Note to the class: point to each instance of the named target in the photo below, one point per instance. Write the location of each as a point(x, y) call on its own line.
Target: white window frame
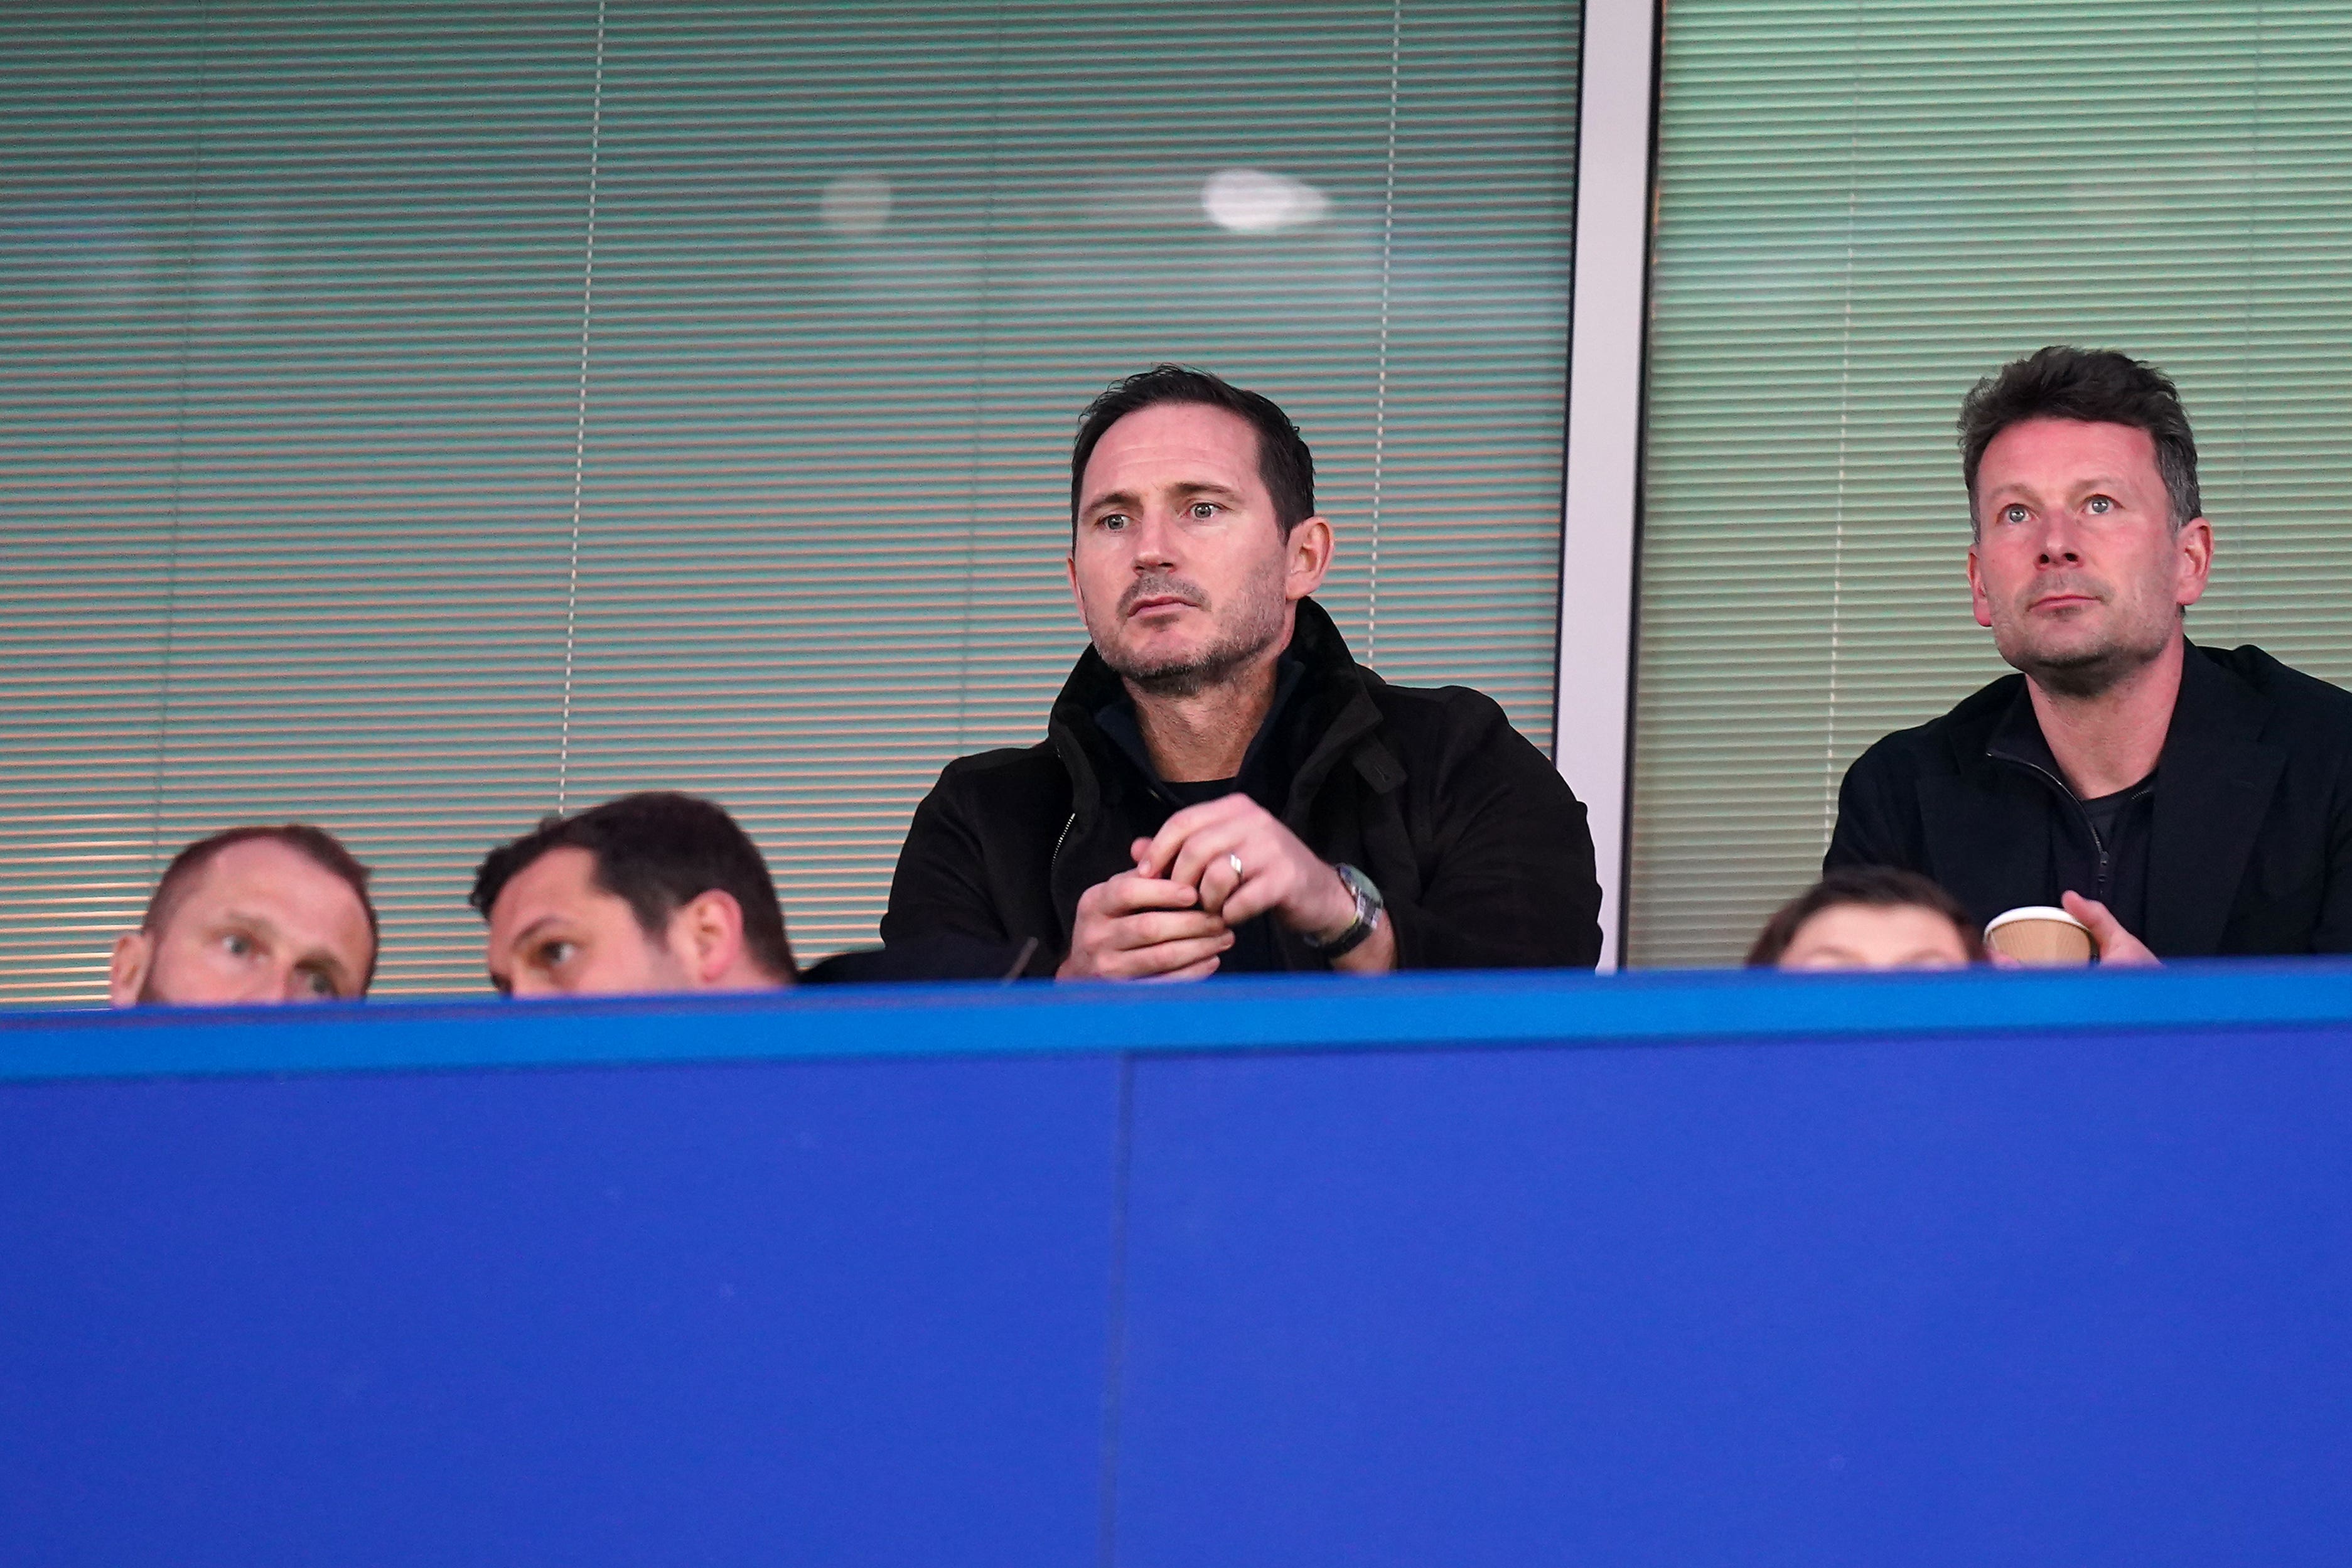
point(1600, 521)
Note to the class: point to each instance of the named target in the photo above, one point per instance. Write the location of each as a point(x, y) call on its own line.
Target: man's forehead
point(560, 883)
point(1175, 444)
point(267, 869)
point(2036, 445)
point(564, 875)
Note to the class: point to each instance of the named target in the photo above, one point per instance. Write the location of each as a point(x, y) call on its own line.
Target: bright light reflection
point(1251, 201)
point(857, 205)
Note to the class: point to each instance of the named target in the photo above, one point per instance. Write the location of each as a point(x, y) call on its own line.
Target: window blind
point(419, 417)
point(1862, 208)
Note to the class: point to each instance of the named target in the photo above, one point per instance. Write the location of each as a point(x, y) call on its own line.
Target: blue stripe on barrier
point(1284, 1013)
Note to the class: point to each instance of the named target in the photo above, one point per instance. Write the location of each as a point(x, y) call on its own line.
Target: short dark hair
point(657, 851)
point(2098, 385)
point(1875, 887)
point(315, 844)
point(1284, 463)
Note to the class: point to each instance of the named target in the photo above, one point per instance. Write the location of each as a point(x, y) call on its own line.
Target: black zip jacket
point(1472, 837)
point(2249, 845)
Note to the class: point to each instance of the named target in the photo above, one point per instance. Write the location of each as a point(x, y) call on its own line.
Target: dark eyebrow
point(2104, 484)
point(532, 929)
point(317, 961)
point(1126, 500)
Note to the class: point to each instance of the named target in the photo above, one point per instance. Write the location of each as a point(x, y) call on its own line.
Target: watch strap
point(1368, 915)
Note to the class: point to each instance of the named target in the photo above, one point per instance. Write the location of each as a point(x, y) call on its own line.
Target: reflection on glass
point(855, 206)
point(1251, 201)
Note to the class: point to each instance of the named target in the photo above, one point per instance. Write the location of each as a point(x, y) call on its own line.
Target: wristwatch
point(1369, 905)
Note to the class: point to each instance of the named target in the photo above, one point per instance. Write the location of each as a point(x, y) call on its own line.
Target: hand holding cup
point(2042, 936)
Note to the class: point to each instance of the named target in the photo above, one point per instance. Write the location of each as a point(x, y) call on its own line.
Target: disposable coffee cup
point(2041, 937)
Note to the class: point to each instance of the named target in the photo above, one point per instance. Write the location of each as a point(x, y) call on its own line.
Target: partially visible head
point(1871, 917)
point(254, 914)
point(2088, 541)
point(653, 892)
point(1193, 528)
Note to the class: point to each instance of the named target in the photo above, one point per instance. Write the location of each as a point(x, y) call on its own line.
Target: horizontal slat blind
point(418, 418)
point(1862, 208)
point(94, 270)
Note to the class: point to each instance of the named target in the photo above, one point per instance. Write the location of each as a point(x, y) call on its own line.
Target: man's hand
point(1279, 875)
point(2116, 944)
point(1138, 927)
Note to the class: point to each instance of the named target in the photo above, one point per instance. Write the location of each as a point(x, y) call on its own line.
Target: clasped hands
point(1173, 916)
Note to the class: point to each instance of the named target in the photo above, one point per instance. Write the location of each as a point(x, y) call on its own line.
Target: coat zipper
point(2081, 810)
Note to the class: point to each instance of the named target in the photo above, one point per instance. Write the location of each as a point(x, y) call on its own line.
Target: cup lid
point(2032, 913)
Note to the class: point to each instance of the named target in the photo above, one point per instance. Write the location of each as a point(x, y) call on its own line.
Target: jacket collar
point(2214, 787)
point(2215, 778)
point(1989, 823)
point(1337, 708)
point(1116, 719)
point(2018, 738)
point(1332, 708)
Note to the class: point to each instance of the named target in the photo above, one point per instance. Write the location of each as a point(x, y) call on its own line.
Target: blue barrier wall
point(1687, 1269)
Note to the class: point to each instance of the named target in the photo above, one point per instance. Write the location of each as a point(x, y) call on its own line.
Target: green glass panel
point(1861, 209)
point(548, 401)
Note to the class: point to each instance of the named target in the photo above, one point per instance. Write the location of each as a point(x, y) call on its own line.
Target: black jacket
point(1471, 835)
point(2251, 846)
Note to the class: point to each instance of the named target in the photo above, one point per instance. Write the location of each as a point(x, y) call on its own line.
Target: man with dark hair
point(653, 892)
point(1285, 466)
point(2180, 800)
point(258, 914)
point(1222, 788)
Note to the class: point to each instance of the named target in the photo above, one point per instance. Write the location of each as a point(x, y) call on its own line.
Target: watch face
point(1368, 914)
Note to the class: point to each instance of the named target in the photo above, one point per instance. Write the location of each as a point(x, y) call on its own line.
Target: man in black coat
point(2180, 800)
point(1222, 788)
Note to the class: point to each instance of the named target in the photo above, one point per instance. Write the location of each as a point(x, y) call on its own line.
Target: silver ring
point(1235, 862)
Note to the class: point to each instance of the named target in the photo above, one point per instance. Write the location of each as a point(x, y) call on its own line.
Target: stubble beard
point(1238, 645)
point(2089, 672)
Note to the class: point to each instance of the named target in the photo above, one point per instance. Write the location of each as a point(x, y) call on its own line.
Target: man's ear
point(1977, 595)
point(1306, 556)
point(126, 972)
point(706, 935)
point(2196, 561)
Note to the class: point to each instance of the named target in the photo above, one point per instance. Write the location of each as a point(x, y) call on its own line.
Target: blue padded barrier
point(801, 1311)
point(1474, 1269)
point(1306, 1013)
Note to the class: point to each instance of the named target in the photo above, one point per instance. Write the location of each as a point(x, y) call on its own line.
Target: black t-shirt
point(2121, 825)
point(2106, 812)
point(1201, 792)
